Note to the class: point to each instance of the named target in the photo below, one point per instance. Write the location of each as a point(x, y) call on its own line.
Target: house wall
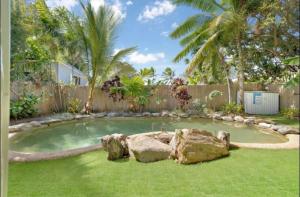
point(55, 97)
point(65, 74)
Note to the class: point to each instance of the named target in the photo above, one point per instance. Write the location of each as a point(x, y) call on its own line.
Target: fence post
point(4, 91)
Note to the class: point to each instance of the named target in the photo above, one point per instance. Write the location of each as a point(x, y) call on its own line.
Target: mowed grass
point(247, 172)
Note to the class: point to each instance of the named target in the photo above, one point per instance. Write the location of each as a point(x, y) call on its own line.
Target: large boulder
point(146, 149)
point(115, 145)
point(225, 137)
point(193, 146)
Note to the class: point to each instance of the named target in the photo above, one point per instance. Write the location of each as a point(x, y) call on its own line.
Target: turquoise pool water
point(76, 134)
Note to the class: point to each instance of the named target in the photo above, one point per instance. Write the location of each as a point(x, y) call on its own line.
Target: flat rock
point(227, 118)
point(114, 114)
point(164, 113)
point(125, 114)
point(183, 115)
point(146, 114)
point(216, 116)
point(264, 125)
point(100, 115)
point(35, 123)
point(239, 118)
point(155, 114)
point(193, 146)
point(276, 127)
point(249, 121)
point(81, 116)
point(284, 130)
point(146, 149)
point(173, 115)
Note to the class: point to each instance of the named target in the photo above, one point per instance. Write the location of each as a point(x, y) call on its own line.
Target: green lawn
point(280, 119)
point(247, 172)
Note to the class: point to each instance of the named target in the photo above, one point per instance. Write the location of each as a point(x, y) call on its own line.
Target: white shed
point(260, 102)
point(68, 74)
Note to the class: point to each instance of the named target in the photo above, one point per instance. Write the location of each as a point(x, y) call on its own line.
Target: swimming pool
point(83, 133)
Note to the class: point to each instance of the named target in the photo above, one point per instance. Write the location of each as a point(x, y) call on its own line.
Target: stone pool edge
point(29, 157)
point(292, 143)
point(292, 134)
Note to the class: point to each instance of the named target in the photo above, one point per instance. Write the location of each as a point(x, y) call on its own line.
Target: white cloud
point(164, 33)
point(140, 58)
point(97, 3)
point(160, 8)
point(62, 3)
point(116, 51)
point(174, 25)
point(117, 7)
point(129, 3)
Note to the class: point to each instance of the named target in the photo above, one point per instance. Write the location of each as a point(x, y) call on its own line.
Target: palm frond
point(120, 54)
point(205, 5)
point(190, 24)
point(199, 56)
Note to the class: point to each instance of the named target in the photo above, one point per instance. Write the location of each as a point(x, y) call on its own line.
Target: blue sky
point(145, 24)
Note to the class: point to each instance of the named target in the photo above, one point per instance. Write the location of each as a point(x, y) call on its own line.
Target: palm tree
point(224, 26)
point(168, 75)
point(98, 33)
point(148, 75)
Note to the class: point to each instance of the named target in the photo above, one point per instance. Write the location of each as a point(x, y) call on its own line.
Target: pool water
point(77, 134)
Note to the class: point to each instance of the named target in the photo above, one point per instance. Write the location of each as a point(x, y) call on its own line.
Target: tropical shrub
point(74, 105)
point(136, 92)
point(233, 108)
point(132, 89)
point(180, 92)
point(24, 107)
point(114, 89)
point(291, 112)
point(213, 95)
point(199, 106)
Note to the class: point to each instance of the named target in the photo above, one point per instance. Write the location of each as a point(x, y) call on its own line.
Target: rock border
point(290, 133)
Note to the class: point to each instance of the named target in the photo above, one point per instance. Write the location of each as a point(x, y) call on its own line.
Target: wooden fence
point(54, 98)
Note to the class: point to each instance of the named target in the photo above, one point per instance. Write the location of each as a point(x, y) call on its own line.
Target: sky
point(146, 25)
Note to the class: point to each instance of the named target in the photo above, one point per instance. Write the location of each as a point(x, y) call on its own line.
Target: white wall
point(65, 74)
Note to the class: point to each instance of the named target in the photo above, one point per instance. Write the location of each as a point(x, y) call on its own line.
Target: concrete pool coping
point(292, 143)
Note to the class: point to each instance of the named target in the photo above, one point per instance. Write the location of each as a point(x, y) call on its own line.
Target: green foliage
point(199, 106)
point(291, 113)
point(24, 107)
point(148, 75)
point(136, 92)
point(214, 94)
point(167, 76)
point(233, 108)
point(74, 105)
point(294, 82)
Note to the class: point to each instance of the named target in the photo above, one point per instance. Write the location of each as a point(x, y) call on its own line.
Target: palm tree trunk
point(229, 89)
point(240, 71)
point(89, 104)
